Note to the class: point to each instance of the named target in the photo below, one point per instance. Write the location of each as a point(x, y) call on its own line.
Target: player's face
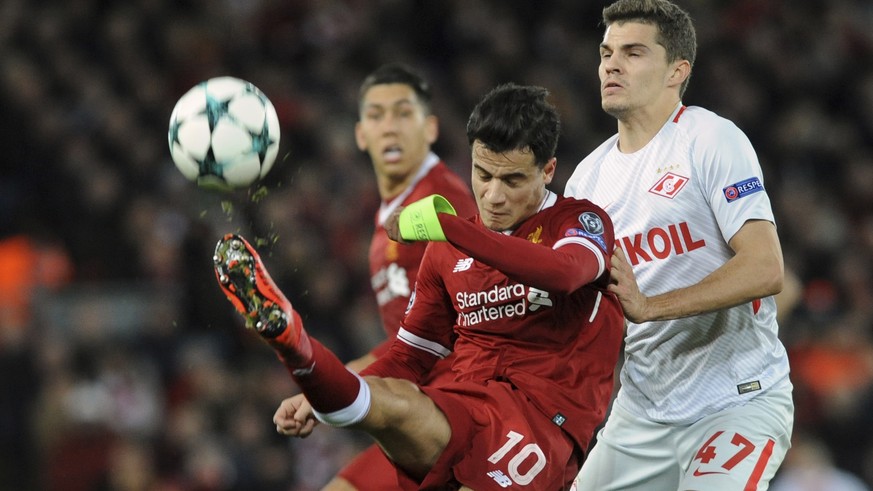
point(509, 187)
point(395, 130)
point(634, 73)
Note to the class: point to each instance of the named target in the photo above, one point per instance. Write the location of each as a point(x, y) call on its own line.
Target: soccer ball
point(224, 134)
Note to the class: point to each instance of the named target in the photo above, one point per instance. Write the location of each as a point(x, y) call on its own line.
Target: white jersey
point(675, 205)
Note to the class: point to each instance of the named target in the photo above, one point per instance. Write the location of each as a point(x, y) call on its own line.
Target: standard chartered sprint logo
point(499, 302)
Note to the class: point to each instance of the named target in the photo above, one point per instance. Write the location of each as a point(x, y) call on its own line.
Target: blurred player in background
point(397, 128)
point(518, 293)
point(705, 399)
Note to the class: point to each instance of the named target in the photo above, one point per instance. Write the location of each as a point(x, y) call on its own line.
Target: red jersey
point(559, 348)
point(394, 266)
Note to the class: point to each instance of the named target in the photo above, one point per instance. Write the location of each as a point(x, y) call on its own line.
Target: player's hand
point(294, 417)
point(392, 226)
point(624, 284)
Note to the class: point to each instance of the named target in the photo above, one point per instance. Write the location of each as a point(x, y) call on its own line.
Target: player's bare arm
point(756, 271)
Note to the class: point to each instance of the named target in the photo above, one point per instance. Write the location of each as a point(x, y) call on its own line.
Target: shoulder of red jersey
point(569, 204)
point(587, 220)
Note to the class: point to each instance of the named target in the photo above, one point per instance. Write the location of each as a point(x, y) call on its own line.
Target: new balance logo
point(500, 478)
point(463, 265)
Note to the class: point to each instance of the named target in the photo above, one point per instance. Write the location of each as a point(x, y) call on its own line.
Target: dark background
point(123, 367)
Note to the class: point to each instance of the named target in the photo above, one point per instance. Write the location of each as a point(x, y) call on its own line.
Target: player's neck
point(390, 187)
point(637, 128)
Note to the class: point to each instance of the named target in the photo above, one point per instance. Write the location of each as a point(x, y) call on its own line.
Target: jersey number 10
point(522, 455)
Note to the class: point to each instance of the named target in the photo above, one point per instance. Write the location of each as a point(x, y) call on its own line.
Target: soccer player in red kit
point(518, 293)
point(396, 128)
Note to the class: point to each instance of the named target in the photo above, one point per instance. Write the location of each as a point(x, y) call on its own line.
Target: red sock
point(328, 385)
point(293, 345)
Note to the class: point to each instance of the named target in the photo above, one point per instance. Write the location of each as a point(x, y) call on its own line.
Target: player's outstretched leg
point(244, 280)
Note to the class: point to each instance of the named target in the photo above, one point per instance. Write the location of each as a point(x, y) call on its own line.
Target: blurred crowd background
point(123, 367)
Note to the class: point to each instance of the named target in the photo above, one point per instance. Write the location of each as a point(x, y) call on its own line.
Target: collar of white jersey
point(385, 209)
point(677, 113)
point(549, 200)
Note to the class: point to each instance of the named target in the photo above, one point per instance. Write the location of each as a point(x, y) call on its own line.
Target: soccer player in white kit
point(705, 399)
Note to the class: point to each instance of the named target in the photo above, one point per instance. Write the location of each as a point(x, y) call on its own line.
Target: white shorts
point(737, 449)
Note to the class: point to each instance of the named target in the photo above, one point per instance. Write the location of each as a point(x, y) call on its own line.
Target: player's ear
point(549, 170)
point(359, 137)
point(680, 72)
point(431, 128)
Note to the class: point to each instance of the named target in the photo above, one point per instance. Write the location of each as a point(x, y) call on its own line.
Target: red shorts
point(371, 471)
point(499, 442)
point(441, 373)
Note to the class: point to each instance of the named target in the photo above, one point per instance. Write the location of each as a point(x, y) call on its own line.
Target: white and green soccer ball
point(224, 134)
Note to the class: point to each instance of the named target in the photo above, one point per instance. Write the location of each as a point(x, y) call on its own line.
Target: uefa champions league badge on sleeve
point(591, 223)
point(742, 189)
point(592, 228)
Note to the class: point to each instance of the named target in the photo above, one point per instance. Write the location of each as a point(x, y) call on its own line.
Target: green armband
point(418, 221)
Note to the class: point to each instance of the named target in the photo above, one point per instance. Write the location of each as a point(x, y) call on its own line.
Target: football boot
point(247, 284)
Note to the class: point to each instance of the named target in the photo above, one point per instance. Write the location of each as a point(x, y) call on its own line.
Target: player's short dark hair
point(516, 117)
point(675, 28)
point(398, 73)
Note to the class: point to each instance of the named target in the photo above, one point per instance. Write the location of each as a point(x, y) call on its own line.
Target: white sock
point(351, 414)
